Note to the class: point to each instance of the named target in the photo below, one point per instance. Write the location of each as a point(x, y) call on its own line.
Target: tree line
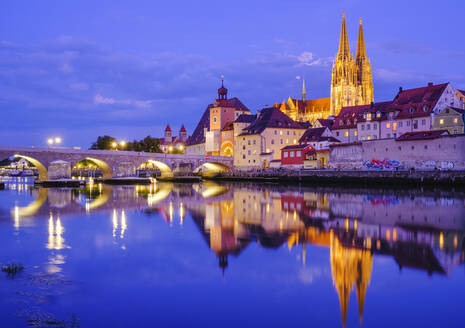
point(148, 144)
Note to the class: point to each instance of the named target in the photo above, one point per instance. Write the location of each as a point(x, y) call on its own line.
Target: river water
point(231, 255)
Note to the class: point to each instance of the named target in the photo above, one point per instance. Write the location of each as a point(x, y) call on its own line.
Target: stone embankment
point(351, 177)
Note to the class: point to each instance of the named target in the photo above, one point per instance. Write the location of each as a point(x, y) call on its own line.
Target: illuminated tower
point(351, 80)
point(364, 78)
point(304, 92)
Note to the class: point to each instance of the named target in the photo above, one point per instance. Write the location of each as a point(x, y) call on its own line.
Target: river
point(231, 255)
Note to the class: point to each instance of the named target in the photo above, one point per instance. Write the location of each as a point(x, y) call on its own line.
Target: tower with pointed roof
point(351, 80)
point(363, 67)
point(168, 134)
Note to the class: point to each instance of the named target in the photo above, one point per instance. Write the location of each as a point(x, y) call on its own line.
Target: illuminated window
point(456, 120)
point(346, 133)
point(388, 125)
point(295, 141)
point(369, 116)
point(355, 133)
point(441, 121)
point(369, 138)
point(281, 132)
point(394, 126)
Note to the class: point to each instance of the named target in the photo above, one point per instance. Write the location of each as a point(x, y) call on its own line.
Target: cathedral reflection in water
point(424, 232)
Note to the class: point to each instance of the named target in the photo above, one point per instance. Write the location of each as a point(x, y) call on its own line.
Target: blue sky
point(79, 69)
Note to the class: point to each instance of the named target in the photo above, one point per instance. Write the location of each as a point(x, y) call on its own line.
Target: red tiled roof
point(461, 91)
point(296, 147)
point(349, 116)
point(271, 118)
point(422, 135)
point(246, 118)
point(325, 122)
point(167, 128)
point(417, 102)
point(183, 129)
point(312, 134)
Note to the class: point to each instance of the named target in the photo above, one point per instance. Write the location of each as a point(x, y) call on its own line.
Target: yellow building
point(351, 80)
point(450, 119)
point(262, 140)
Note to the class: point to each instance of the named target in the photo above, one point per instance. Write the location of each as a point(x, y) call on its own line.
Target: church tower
point(343, 78)
point(351, 81)
point(364, 77)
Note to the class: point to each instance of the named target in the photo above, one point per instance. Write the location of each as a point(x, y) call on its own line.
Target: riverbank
point(350, 177)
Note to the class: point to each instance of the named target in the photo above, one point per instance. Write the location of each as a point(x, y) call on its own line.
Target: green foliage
point(104, 142)
point(12, 269)
point(148, 144)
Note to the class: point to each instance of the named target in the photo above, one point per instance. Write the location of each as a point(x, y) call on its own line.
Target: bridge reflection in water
point(419, 231)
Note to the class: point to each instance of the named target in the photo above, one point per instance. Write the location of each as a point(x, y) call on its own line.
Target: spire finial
point(304, 91)
point(344, 51)
point(343, 14)
point(222, 80)
point(361, 50)
point(360, 20)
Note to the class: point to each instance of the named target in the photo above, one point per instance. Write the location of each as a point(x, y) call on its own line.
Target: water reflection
point(422, 231)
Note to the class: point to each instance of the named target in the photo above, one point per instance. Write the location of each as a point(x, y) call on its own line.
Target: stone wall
point(446, 152)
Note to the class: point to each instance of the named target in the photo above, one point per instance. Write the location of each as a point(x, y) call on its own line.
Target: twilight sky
point(79, 69)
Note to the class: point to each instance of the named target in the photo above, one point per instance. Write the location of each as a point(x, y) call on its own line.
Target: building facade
point(351, 80)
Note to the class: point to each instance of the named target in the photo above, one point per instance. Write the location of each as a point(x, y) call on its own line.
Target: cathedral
point(351, 84)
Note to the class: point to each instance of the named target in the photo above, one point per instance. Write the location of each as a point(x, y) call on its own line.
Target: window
point(298, 154)
point(346, 134)
point(294, 132)
point(400, 124)
point(248, 142)
point(287, 132)
point(400, 148)
point(243, 147)
point(408, 123)
point(415, 124)
point(255, 142)
point(295, 141)
point(375, 137)
point(426, 147)
point(425, 108)
point(455, 131)
point(292, 154)
point(281, 132)
point(243, 156)
point(355, 133)
point(287, 141)
point(423, 122)
point(286, 154)
point(248, 152)
point(363, 127)
point(368, 126)
point(375, 126)
point(281, 141)
point(214, 119)
point(369, 116)
point(456, 120)
point(368, 138)
point(337, 133)
point(394, 126)
point(378, 114)
point(411, 109)
point(272, 141)
point(340, 123)
point(441, 121)
point(388, 135)
point(388, 125)
point(275, 132)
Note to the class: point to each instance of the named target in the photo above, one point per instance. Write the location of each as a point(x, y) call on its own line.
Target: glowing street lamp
point(123, 143)
point(50, 141)
point(114, 144)
point(170, 149)
point(57, 140)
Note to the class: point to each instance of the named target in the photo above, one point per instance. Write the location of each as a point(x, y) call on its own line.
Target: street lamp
point(57, 140)
point(50, 141)
point(123, 143)
point(114, 144)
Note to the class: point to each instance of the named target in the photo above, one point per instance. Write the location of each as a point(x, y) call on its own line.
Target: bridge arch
point(165, 170)
point(43, 172)
point(107, 171)
point(211, 169)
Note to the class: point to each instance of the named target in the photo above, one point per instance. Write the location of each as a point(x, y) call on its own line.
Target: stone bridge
point(111, 162)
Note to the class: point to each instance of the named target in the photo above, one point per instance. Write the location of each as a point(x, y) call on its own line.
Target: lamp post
point(123, 143)
point(114, 145)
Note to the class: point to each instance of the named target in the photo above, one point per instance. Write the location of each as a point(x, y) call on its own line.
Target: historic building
point(170, 143)
point(261, 141)
point(351, 84)
point(207, 138)
point(461, 97)
point(351, 80)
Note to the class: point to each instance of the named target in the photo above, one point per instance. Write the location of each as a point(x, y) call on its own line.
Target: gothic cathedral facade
point(351, 80)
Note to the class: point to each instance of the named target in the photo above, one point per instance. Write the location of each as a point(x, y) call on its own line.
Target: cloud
point(307, 58)
point(98, 100)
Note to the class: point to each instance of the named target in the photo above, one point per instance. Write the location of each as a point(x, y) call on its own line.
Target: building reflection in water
point(417, 230)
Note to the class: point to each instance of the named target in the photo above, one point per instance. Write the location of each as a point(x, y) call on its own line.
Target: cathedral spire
point(304, 92)
point(361, 51)
point(344, 51)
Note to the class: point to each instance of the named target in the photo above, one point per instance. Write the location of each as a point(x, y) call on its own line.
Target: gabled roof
point(237, 104)
point(246, 118)
point(183, 129)
point(271, 118)
point(198, 135)
point(461, 91)
point(349, 116)
point(313, 134)
point(296, 147)
point(325, 122)
point(417, 102)
point(422, 135)
point(167, 128)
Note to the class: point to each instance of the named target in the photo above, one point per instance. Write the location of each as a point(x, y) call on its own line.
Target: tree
point(104, 142)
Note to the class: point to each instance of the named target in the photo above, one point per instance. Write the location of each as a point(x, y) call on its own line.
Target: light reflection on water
point(333, 235)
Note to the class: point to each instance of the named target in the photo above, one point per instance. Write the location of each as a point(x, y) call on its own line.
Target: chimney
point(400, 90)
point(430, 84)
point(372, 104)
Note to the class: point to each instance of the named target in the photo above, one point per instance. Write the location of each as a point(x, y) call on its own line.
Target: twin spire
point(344, 50)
